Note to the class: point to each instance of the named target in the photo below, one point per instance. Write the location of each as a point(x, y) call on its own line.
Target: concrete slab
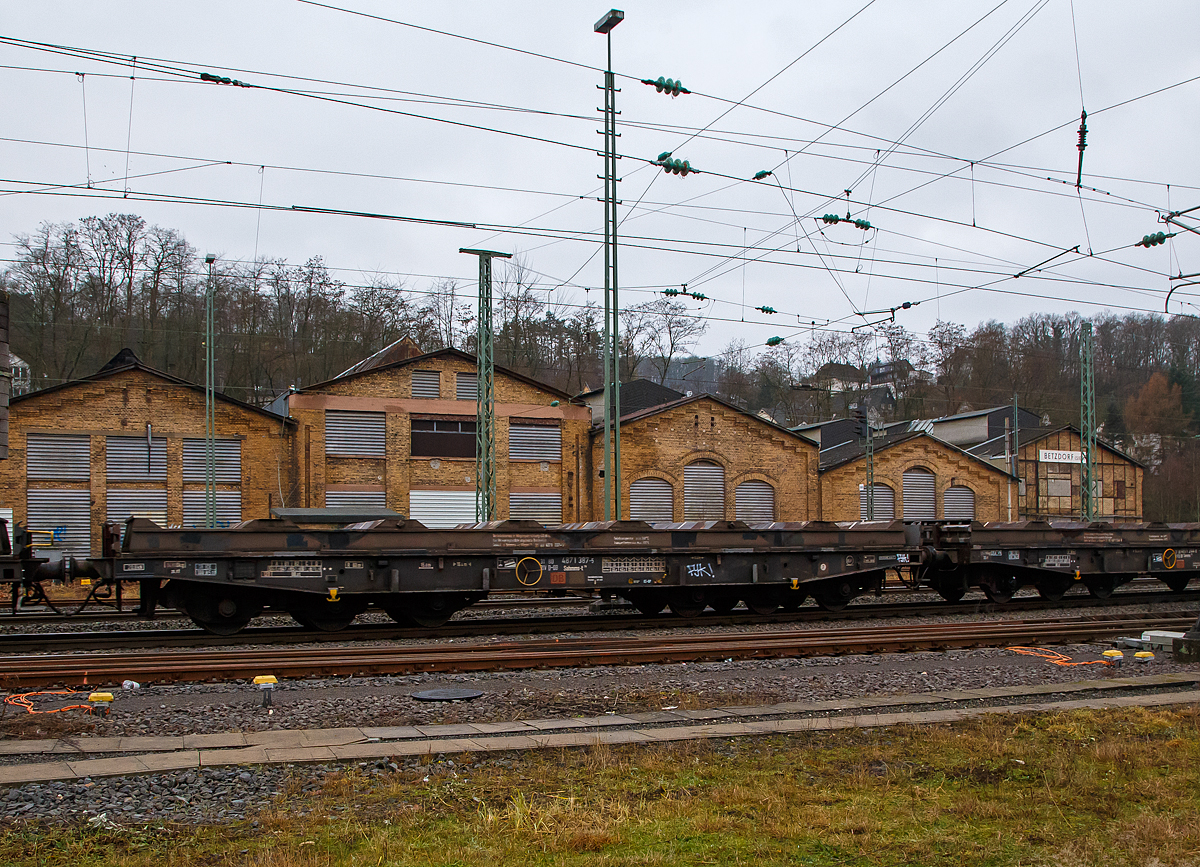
point(116, 767)
point(451, 745)
point(278, 739)
point(41, 772)
point(569, 723)
point(297, 755)
point(709, 713)
point(608, 719)
point(655, 716)
point(376, 750)
point(243, 756)
point(447, 731)
point(391, 733)
point(758, 710)
point(214, 741)
point(84, 746)
point(26, 748)
point(619, 737)
point(498, 728)
point(513, 742)
point(148, 745)
point(176, 761)
point(333, 737)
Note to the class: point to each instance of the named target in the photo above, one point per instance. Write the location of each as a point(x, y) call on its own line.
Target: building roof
point(428, 356)
point(684, 401)
point(126, 360)
point(845, 453)
point(639, 394)
point(1027, 436)
point(978, 412)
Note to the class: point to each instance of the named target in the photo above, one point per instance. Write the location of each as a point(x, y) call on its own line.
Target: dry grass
point(1113, 788)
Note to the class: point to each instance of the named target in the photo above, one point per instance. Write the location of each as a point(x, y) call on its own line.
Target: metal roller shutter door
point(652, 500)
point(356, 434)
point(534, 442)
point(356, 499)
point(703, 492)
point(126, 458)
point(58, 456)
point(754, 502)
point(228, 454)
point(466, 386)
point(228, 503)
point(959, 504)
point(885, 503)
point(123, 503)
point(426, 384)
point(545, 508)
point(439, 509)
point(66, 514)
point(920, 496)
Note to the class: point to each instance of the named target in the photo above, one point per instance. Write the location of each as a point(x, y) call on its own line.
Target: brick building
point(129, 440)
point(401, 435)
point(917, 477)
point(700, 458)
point(1050, 470)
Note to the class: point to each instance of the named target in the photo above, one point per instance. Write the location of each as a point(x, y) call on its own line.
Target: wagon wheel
point(950, 589)
point(326, 616)
point(220, 612)
point(1053, 589)
point(687, 601)
point(431, 610)
point(723, 602)
point(1177, 581)
point(762, 601)
point(648, 603)
point(1101, 586)
point(836, 594)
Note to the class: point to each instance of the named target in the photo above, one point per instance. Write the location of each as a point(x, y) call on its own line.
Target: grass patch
point(1079, 788)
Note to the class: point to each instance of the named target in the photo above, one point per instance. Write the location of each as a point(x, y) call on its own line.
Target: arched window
point(885, 502)
point(652, 500)
point(959, 504)
point(703, 491)
point(754, 502)
point(920, 495)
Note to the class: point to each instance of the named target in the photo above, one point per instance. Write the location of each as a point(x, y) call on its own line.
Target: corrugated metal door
point(426, 384)
point(228, 454)
point(534, 442)
point(543, 507)
point(58, 456)
point(228, 503)
point(885, 502)
point(356, 434)
point(356, 499)
point(439, 509)
point(920, 496)
point(754, 501)
point(133, 459)
point(959, 503)
point(466, 386)
point(123, 503)
point(65, 513)
point(703, 492)
point(652, 500)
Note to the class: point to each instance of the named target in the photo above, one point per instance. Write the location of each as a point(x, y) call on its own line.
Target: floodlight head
point(610, 20)
point(210, 258)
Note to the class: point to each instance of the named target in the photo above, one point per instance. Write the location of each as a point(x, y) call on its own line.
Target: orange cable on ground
point(1054, 656)
point(24, 700)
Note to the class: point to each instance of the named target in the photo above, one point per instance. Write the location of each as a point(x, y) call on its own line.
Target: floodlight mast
point(612, 340)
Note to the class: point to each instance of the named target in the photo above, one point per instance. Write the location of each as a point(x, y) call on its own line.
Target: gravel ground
point(237, 795)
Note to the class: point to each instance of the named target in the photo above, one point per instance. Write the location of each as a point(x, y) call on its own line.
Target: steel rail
point(96, 668)
point(21, 642)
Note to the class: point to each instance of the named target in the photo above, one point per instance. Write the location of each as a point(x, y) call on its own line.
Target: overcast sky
point(980, 188)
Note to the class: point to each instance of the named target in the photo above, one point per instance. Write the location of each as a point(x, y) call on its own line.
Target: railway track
point(471, 627)
point(229, 664)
